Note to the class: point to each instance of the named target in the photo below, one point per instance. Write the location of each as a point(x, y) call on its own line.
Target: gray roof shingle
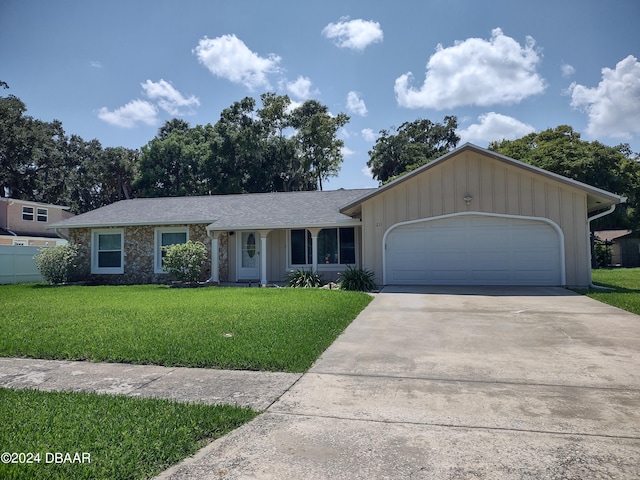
point(226, 212)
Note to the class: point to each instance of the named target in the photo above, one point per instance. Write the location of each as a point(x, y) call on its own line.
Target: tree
point(172, 163)
point(39, 162)
point(236, 164)
point(318, 147)
point(562, 151)
point(413, 144)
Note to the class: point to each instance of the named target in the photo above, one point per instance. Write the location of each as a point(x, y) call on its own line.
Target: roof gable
point(597, 199)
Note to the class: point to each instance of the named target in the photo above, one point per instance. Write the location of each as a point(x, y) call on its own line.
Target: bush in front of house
point(357, 279)
point(58, 264)
point(304, 279)
point(184, 261)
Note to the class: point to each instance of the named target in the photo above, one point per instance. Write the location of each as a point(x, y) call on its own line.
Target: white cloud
point(613, 107)
point(367, 172)
point(96, 64)
point(168, 98)
point(494, 126)
point(369, 135)
point(347, 152)
point(567, 70)
point(475, 72)
point(127, 116)
point(301, 88)
point(228, 57)
point(355, 34)
point(355, 104)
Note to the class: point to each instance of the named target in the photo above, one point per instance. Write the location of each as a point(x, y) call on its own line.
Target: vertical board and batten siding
point(496, 187)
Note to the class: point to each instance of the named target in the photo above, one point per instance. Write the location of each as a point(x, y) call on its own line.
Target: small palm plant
point(304, 279)
point(358, 279)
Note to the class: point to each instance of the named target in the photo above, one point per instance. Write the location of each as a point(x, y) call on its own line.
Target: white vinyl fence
point(17, 264)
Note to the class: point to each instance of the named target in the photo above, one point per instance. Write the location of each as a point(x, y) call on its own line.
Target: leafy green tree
point(562, 151)
point(237, 163)
point(412, 144)
point(172, 163)
point(319, 149)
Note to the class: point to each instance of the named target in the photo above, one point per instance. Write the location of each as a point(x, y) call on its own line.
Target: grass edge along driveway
point(132, 438)
point(623, 288)
point(229, 328)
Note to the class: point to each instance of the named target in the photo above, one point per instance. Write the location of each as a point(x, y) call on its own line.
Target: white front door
point(248, 256)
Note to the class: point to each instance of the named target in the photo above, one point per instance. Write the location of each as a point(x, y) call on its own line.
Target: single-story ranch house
point(470, 217)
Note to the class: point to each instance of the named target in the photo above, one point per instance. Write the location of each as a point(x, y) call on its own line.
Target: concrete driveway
point(451, 383)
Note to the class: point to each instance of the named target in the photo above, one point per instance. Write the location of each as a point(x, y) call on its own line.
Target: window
point(107, 247)
point(166, 237)
point(300, 247)
point(43, 214)
point(27, 214)
point(335, 246)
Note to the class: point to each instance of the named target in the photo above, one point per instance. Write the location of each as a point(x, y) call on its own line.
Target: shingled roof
point(226, 212)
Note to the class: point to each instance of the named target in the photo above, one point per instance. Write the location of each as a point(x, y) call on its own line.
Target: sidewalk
point(257, 390)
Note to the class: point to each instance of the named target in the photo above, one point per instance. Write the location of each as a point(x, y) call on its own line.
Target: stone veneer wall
point(138, 255)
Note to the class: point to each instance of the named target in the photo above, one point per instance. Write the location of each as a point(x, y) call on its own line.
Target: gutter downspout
point(57, 230)
point(589, 220)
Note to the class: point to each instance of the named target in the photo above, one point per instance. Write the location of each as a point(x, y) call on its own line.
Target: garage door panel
point(474, 250)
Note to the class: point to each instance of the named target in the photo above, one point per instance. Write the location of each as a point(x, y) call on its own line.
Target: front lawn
point(105, 436)
point(625, 285)
point(231, 328)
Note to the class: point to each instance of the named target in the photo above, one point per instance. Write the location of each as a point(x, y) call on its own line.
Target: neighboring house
point(25, 223)
point(624, 245)
point(629, 249)
point(608, 237)
point(471, 217)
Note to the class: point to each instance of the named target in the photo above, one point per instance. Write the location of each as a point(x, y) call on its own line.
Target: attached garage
point(474, 217)
point(474, 249)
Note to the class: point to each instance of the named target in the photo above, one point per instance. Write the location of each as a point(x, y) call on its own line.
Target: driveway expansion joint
point(479, 382)
point(462, 427)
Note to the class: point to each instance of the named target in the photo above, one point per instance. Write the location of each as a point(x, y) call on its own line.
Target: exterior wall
point(139, 244)
point(11, 217)
point(495, 187)
point(31, 241)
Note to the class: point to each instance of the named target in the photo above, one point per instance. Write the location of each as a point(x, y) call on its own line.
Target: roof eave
point(336, 224)
point(126, 224)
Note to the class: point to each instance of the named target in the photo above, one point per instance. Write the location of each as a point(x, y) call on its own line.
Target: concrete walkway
point(257, 390)
point(427, 383)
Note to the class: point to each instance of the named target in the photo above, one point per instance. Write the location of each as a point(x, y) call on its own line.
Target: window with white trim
point(107, 251)
point(335, 246)
point(165, 237)
point(27, 214)
point(42, 214)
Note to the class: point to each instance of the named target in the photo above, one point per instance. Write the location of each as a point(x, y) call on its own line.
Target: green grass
point(624, 284)
point(126, 438)
point(231, 328)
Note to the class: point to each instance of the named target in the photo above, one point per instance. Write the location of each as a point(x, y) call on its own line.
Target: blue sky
point(117, 70)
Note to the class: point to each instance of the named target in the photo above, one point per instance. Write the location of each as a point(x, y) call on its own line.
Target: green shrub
point(184, 261)
point(357, 279)
point(58, 264)
point(304, 279)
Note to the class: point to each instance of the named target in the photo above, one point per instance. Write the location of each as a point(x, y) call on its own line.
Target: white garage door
point(474, 250)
